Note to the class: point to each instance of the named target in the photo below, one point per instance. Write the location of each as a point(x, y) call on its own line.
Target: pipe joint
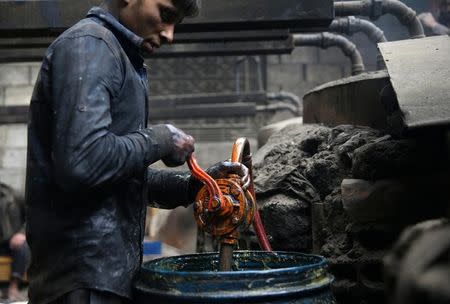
point(376, 9)
point(406, 16)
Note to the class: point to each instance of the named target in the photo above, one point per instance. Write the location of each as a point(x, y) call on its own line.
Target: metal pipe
point(351, 25)
point(377, 8)
point(326, 40)
point(226, 257)
point(287, 96)
point(278, 107)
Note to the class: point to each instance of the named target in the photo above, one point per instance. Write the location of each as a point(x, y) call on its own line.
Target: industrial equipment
point(223, 208)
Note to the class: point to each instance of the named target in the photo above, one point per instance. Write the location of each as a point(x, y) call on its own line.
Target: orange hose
point(241, 153)
point(211, 185)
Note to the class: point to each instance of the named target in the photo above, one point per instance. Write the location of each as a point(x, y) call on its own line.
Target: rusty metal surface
point(353, 100)
point(419, 72)
point(47, 17)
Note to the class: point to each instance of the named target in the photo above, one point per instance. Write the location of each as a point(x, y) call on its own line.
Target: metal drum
point(257, 277)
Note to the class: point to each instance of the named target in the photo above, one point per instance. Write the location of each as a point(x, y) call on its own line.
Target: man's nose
point(167, 33)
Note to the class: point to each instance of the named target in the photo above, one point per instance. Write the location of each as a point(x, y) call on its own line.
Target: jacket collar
point(129, 40)
point(109, 19)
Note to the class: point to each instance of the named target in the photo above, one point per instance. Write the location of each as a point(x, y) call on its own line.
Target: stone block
point(307, 55)
point(18, 95)
point(14, 178)
point(14, 74)
point(302, 55)
point(332, 55)
point(284, 77)
point(14, 136)
point(13, 158)
point(34, 72)
point(322, 73)
point(2, 96)
point(273, 59)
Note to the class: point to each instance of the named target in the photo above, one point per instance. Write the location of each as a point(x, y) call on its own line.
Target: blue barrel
point(258, 277)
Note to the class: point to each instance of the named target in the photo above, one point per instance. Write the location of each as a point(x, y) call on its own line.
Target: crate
point(5, 268)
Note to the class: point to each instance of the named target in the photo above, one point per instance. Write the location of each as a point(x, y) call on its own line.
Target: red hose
point(241, 153)
point(211, 185)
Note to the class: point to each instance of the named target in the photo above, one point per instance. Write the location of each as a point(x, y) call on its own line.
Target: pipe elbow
point(406, 16)
point(349, 49)
point(376, 8)
point(374, 33)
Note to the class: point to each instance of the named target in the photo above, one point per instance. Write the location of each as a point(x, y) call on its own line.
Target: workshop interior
point(340, 111)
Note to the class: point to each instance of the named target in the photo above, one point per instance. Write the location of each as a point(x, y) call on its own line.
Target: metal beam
point(41, 18)
point(207, 37)
point(174, 51)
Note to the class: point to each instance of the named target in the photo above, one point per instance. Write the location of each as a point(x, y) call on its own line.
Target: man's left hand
point(223, 169)
point(17, 240)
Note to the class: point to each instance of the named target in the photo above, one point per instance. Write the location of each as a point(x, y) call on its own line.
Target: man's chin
point(147, 51)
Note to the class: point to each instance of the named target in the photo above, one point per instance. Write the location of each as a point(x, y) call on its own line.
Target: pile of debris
point(347, 193)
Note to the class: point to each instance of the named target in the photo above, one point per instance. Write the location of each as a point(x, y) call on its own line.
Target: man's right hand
point(182, 147)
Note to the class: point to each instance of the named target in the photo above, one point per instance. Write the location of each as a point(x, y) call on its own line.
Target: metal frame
point(41, 18)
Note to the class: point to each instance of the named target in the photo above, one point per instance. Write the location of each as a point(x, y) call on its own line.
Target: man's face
point(153, 20)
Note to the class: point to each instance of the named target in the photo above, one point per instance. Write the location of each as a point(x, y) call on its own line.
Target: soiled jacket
point(89, 149)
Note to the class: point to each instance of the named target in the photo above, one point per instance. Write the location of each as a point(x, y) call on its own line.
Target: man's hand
point(182, 147)
point(17, 240)
point(223, 169)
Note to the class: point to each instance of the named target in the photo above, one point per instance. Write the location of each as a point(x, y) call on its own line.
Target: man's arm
point(171, 189)
point(85, 77)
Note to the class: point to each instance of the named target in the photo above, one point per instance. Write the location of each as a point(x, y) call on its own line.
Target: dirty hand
point(182, 147)
point(17, 240)
point(223, 169)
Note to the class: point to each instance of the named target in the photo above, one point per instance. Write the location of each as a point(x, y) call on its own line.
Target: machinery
point(223, 208)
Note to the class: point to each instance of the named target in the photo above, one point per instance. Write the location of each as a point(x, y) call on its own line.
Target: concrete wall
point(305, 68)
point(16, 87)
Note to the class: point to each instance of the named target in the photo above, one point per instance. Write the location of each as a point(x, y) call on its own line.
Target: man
point(12, 238)
point(88, 180)
point(437, 22)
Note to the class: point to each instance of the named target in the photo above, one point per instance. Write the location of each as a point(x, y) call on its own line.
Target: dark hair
point(189, 8)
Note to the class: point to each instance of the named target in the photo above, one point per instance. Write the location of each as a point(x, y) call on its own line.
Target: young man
point(89, 149)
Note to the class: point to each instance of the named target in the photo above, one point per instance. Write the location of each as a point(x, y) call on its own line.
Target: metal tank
point(257, 277)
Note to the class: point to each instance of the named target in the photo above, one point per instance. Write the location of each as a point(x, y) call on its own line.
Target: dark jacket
point(88, 152)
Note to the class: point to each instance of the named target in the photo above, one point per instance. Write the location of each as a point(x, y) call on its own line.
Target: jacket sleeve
point(85, 77)
point(171, 189)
